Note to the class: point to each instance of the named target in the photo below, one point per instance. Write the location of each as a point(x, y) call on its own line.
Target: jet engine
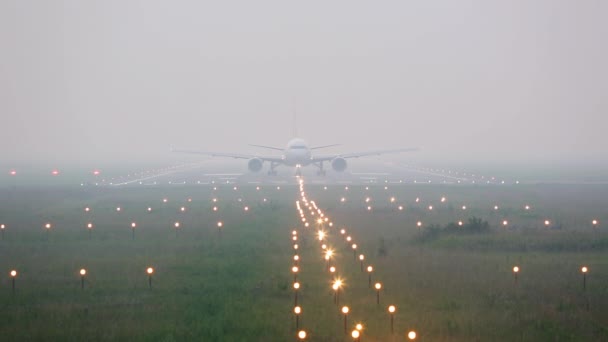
point(338, 164)
point(255, 164)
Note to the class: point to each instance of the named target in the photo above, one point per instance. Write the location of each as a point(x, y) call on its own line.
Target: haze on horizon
point(468, 81)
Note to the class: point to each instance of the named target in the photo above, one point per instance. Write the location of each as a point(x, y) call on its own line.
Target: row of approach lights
point(133, 225)
point(55, 172)
point(337, 284)
point(584, 271)
point(368, 200)
point(181, 209)
point(356, 333)
point(82, 272)
point(505, 223)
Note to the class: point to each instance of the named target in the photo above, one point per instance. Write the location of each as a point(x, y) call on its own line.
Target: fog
point(466, 81)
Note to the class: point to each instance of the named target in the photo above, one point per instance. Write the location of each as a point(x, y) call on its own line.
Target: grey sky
point(467, 80)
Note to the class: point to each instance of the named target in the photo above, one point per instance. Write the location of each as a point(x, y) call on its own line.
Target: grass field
point(235, 284)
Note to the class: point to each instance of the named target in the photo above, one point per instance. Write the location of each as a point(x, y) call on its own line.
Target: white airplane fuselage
point(297, 153)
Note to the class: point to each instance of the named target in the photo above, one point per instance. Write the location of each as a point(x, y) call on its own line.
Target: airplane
point(297, 154)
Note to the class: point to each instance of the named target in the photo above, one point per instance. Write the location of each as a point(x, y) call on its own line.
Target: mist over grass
point(456, 286)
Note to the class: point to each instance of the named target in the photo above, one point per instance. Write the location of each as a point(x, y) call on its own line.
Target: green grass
point(237, 286)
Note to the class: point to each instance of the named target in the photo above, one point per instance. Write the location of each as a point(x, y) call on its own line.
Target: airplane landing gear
point(321, 172)
point(272, 171)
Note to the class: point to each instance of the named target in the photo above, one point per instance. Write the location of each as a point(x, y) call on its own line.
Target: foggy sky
point(104, 81)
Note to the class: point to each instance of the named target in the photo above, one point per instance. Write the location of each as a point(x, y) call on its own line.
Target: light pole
point(584, 270)
point(345, 312)
point(355, 334)
point(13, 275)
point(361, 258)
point(370, 269)
point(83, 272)
point(328, 256)
point(48, 230)
point(336, 286)
point(297, 311)
point(391, 311)
point(295, 270)
point(150, 270)
point(378, 286)
point(133, 225)
point(296, 287)
point(219, 228)
point(515, 273)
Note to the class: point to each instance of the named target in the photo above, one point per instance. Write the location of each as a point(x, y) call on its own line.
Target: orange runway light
point(150, 271)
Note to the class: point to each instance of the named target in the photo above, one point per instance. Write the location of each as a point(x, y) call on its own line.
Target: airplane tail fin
point(295, 120)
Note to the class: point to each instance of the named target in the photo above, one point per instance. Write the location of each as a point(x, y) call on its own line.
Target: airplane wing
point(362, 154)
point(268, 147)
point(229, 155)
point(325, 146)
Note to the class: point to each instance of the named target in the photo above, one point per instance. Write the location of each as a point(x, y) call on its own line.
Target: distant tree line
point(474, 225)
